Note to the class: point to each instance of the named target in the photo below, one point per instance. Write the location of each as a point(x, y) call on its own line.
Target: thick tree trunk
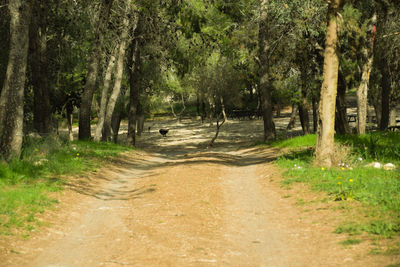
point(118, 81)
point(115, 124)
point(95, 58)
point(69, 110)
point(265, 86)
point(341, 124)
point(362, 92)
point(104, 95)
point(42, 113)
point(12, 94)
point(326, 123)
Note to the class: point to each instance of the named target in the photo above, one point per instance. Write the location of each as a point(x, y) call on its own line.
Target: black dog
point(164, 132)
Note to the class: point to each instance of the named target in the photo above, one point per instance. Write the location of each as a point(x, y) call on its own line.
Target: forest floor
point(177, 202)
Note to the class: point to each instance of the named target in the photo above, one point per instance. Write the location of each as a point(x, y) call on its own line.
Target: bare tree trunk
point(292, 120)
point(362, 92)
point(134, 83)
point(326, 123)
point(223, 108)
point(385, 97)
point(265, 86)
point(115, 124)
point(96, 55)
point(303, 107)
point(393, 114)
point(217, 132)
point(69, 110)
point(118, 79)
point(42, 113)
point(341, 124)
point(104, 95)
point(12, 94)
point(315, 113)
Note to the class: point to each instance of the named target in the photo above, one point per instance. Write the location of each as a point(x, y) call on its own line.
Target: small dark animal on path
point(164, 132)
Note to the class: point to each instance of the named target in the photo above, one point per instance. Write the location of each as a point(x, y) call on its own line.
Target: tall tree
point(96, 54)
point(12, 94)
point(42, 110)
point(119, 73)
point(324, 150)
point(265, 85)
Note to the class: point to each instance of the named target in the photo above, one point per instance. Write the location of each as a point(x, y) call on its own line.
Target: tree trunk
point(385, 97)
point(292, 120)
point(362, 92)
point(303, 107)
point(96, 55)
point(42, 113)
point(134, 83)
point(118, 80)
point(12, 94)
point(104, 95)
point(265, 86)
point(223, 108)
point(69, 110)
point(315, 112)
point(115, 124)
point(325, 133)
point(341, 124)
point(393, 113)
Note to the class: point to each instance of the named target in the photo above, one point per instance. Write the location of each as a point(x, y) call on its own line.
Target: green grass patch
point(350, 242)
point(25, 183)
point(377, 189)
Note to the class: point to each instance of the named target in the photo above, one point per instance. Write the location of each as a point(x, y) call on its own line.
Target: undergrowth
point(352, 180)
point(26, 183)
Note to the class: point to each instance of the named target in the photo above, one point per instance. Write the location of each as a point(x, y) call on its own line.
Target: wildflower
point(339, 183)
point(77, 154)
point(360, 159)
point(350, 180)
point(342, 168)
point(322, 169)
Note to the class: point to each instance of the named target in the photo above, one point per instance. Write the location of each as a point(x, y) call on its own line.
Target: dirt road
point(178, 203)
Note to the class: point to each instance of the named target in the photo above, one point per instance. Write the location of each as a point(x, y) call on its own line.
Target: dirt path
point(179, 204)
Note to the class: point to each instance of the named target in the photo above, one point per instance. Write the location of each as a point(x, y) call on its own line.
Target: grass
point(26, 183)
point(378, 190)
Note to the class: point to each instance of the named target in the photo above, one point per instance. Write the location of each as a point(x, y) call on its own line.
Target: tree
point(42, 110)
point(96, 54)
point(324, 150)
point(12, 94)
point(265, 86)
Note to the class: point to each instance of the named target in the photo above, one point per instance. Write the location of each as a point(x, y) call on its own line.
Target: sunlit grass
point(25, 183)
point(352, 180)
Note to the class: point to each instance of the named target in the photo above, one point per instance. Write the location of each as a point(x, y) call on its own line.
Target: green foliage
point(25, 183)
point(352, 180)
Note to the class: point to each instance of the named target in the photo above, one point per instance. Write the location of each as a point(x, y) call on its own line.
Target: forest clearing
point(199, 132)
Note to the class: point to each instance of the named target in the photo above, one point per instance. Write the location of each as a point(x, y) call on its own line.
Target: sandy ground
point(178, 203)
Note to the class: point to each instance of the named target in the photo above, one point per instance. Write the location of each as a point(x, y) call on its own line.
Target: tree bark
point(42, 110)
point(96, 55)
point(265, 86)
point(303, 107)
point(134, 83)
point(385, 96)
point(12, 94)
point(362, 93)
point(118, 80)
point(325, 133)
point(104, 95)
point(341, 124)
point(292, 120)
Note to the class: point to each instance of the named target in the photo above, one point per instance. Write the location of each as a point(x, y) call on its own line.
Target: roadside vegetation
point(26, 184)
point(373, 192)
